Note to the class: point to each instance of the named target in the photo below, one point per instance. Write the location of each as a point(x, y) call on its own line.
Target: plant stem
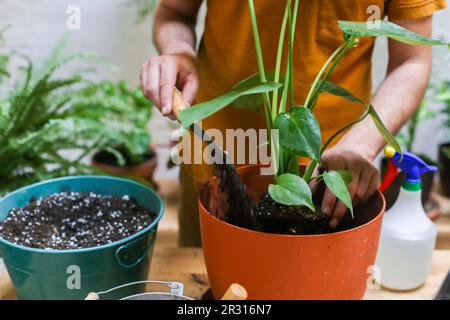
point(279, 57)
point(349, 43)
point(313, 163)
point(337, 133)
point(292, 25)
point(259, 56)
point(319, 75)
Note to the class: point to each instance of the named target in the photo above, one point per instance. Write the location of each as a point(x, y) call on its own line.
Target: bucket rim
point(105, 246)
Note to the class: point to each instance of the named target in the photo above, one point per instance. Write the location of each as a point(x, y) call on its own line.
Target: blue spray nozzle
point(410, 164)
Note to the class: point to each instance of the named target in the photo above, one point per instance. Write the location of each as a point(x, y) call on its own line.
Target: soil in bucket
point(75, 220)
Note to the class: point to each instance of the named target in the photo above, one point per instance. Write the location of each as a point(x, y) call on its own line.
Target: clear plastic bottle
point(407, 243)
point(408, 236)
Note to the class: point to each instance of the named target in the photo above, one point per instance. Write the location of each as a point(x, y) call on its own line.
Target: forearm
point(395, 101)
point(174, 29)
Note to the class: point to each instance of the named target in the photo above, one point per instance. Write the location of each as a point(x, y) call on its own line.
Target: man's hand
point(161, 74)
point(365, 180)
point(174, 36)
point(396, 100)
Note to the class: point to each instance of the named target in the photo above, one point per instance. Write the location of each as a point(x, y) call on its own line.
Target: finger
point(168, 80)
point(328, 202)
point(338, 214)
point(340, 208)
point(363, 186)
point(353, 187)
point(144, 76)
point(374, 184)
point(313, 184)
point(190, 88)
point(152, 90)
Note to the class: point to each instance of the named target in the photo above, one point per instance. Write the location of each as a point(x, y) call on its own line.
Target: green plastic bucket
point(72, 274)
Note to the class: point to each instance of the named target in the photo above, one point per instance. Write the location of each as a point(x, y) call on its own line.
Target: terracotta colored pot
point(271, 266)
point(144, 170)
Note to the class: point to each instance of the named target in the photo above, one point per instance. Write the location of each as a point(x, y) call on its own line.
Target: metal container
point(173, 291)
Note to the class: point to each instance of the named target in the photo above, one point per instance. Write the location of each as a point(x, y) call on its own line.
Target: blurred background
point(120, 31)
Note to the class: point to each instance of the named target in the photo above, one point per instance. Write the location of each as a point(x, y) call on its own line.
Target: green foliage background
point(43, 117)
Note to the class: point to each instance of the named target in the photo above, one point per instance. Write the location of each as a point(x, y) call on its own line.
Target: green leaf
point(203, 110)
point(346, 176)
point(383, 130)
point(387, 29)
point(299, 132)
point(338, 186)
point(252, 101)
point(336, 90)
point(291, 190)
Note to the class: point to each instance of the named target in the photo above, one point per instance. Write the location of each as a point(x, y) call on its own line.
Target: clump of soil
point(75, 220)
point(235, 206)
point(282, 219)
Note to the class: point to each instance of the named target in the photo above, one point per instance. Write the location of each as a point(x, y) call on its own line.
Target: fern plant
point(49, 125)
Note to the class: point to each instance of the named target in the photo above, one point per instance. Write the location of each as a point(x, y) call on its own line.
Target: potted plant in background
point(134, 157)
point(407, 139)
point(444, 148)
point(50, 126)
point(302, 259)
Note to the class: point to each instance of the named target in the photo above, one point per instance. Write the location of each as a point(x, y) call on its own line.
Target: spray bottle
point(408, 236)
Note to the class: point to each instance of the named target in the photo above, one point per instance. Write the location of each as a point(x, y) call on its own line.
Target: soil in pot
point(228, 200)
point(282, 219)
point(75, 220)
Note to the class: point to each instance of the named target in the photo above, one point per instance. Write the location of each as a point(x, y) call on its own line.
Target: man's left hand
point(365, 180)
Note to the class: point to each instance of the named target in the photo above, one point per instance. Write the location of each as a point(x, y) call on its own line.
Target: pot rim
point(204, 211)
point(131, 167)
point(105, 246)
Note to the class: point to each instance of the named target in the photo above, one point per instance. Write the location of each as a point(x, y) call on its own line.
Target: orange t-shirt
point(227, 53)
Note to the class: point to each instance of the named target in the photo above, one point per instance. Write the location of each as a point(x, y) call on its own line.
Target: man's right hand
point(161, 74)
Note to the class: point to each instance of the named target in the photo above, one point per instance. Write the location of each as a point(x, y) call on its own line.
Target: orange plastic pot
point(271, 266)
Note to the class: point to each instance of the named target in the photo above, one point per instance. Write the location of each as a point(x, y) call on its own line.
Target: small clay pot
point(104, 161)
point(444, 169)
point(273, 266)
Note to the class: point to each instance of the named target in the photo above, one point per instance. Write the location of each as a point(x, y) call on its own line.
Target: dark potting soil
point(233, 197)
point(228, 200)
point(75, 220)
point(293, 220)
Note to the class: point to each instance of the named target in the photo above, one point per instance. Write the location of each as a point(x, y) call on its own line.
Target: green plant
point(299, 130)
point(43, 116)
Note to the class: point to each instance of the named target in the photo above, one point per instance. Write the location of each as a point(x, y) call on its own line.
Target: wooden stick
point(178, 103)
point(92, 296)
point(235, 292)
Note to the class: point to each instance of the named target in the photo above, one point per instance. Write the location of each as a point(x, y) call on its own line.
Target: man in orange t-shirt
point(226, 56)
